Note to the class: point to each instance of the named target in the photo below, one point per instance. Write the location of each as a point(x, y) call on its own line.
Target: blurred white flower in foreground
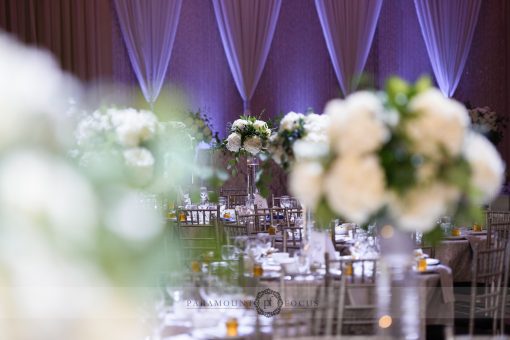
point(355, 187)
point(487, 167)
point(305, 183)
point(132, 220)
point(355, 125)
point(419, 208)
point(44, 189)
point(32, 90)
point(440, 124)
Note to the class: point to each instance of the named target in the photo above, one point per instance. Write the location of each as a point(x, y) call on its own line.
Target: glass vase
point(252, 164)
point(397, 289)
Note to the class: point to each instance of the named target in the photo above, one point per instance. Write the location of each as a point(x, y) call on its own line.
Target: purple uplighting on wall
point(298, 73)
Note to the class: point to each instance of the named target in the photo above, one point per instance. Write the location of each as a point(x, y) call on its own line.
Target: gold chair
point(198, 232)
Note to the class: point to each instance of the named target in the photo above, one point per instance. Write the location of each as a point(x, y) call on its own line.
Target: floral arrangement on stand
point(249, 137)
point(488, 123)
point(407, 154)
point(293, 127)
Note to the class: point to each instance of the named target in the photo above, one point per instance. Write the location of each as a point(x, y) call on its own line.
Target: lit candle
point(232, 326)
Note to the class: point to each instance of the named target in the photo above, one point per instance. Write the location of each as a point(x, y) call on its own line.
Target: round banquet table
point(458, 255)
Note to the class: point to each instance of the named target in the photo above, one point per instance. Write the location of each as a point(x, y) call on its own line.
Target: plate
point(432, 262)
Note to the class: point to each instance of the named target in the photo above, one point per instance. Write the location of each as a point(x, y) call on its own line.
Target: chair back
point(352, 270)
point(498, 227)
point(292, 230)
point(489, 266)
point(346, 305)
point(198, 232)
point(294, 203)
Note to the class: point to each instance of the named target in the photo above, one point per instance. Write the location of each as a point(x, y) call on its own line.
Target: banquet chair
point(294, 203)
point(232, 230)
point(353, 270)
point(486, 298)
point(345, 308)
point(234, 196)
point(198, 232)
point(292, 230)
point(498, 227)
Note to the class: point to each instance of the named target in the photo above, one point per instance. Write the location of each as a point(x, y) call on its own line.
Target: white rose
point(419, 209)
point(234, 142)
point(305, 183)
point(486, 165)
point(355, 187)
point(441, 124)
point(260, 124)
point(253, 145)
point(290, 120)
point(240, 124)
point(355, 127)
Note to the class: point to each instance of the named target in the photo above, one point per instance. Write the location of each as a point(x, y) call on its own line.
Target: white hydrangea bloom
point(420, 208)
point(316, 127)
point(355, 126)
point(290, 121)
point(306, 182)
point(486, 165)
point(355, 187)
point(441, 124)
point(133, 127)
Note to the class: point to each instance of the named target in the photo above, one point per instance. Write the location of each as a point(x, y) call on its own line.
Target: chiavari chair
point(498, 227)
point(346, 305)
point(293, 202)
point(198, 232)
point(292, 230)
point(235, 197)
point(485, 304)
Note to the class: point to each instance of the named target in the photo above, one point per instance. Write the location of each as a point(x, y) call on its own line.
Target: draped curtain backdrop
point(448, 27)
point(78, 32)
point(246, 29)
point(348, 27)
point(148, 29)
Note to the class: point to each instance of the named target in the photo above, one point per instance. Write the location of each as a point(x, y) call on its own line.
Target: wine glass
point(229, 253)
point(285, 202)
point(222, 201)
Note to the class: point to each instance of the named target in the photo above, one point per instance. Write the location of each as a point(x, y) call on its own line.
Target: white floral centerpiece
point(310, 128)
point(122, 132)
point(407, 154)
point(248, 136)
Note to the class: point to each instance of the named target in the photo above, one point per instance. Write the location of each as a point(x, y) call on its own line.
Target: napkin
point(446, 279)
point(321, 244)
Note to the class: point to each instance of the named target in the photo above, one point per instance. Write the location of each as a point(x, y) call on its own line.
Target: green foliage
point(433, 237)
